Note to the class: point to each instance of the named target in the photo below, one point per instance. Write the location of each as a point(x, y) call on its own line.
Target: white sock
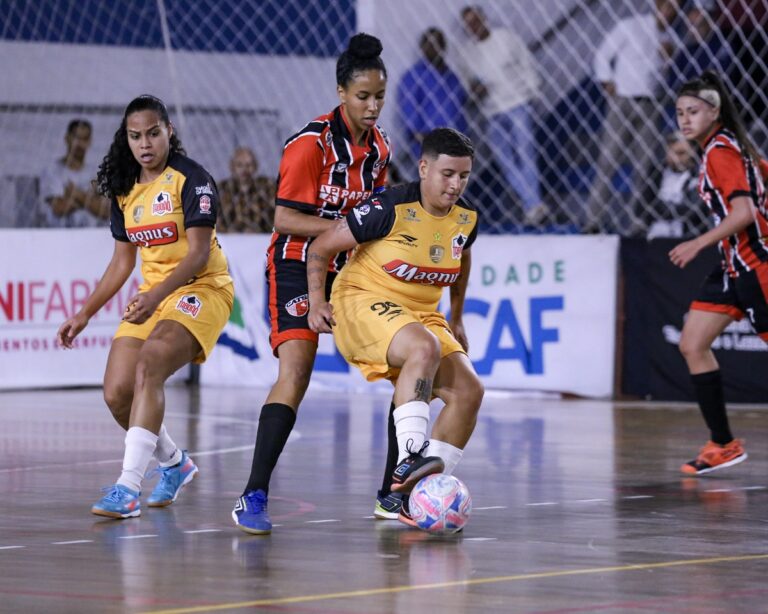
point(139, 446)
point(411, 423)
point(451, 455)
point(166, 452)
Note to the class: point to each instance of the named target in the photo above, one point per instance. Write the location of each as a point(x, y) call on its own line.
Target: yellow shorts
point(203, 310)
point(367, 322)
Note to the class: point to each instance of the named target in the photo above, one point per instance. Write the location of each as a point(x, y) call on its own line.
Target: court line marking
point(11, 547)
point(120, 460)
point(322, 521)
point(74, 541)
point(145, 536)
point(491, 507)
point(472, 582)
point(192, 532)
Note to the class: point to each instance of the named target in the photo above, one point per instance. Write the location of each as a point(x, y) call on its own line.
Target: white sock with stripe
point(166, 452)
point(139, 446)
point(411, 423)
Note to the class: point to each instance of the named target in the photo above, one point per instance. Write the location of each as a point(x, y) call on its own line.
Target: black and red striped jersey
point(323, 173)
point(727, 172)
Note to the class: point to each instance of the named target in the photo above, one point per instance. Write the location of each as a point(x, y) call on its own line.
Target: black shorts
point(288, 300)
point(746, 294)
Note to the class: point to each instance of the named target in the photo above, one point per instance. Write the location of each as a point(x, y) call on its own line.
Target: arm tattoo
point(423, 390)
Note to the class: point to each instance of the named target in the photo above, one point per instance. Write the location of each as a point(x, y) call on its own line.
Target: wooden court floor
point(578, 507)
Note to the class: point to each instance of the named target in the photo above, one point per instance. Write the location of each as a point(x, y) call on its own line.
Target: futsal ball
point(440, 504)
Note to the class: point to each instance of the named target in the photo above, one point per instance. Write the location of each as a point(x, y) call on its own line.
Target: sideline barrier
point(540, 313)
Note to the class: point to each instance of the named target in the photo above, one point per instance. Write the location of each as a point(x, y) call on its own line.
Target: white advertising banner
point(540, 315)
point(46, 277)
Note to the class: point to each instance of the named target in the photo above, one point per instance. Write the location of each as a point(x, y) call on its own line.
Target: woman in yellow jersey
point(164, 207)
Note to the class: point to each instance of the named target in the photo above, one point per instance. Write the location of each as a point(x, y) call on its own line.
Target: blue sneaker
point(388, 507)
point(118, 502)
point(250, 513)
point(172, 479)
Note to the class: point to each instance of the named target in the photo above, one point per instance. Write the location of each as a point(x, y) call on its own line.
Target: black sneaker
point(414, 467)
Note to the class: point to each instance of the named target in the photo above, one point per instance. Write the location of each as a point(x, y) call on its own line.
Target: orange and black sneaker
point(714, 456)
point(405, 514)
point(414, 467)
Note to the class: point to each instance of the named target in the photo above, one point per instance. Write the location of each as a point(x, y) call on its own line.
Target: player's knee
point(471, 393)
point(150, 369)
point(118, 397)
point(425, 350)
point(690, 347)
point(297, 376)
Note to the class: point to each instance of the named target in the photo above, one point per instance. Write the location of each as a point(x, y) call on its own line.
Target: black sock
point(709, 395)
point(275, 424)
point(392, 453)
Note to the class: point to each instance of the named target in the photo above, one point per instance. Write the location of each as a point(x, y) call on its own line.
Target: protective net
point(570, 103)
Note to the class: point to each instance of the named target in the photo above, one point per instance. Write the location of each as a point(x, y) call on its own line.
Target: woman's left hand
point(684, 253)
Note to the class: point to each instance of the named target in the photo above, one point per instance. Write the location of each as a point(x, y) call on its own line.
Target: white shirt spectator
point(53, 182)
point(631, 57)
point(504, 65)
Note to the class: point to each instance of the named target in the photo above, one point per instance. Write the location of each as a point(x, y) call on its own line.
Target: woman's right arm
point(117, 273)
point(293, 222)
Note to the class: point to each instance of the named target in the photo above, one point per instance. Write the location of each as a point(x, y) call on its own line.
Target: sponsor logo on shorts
point(205, 204)
point(190, 305)
point(421, 275)
point(299, 306)
point(457, 245)
point(162, 204)
point(154, 234)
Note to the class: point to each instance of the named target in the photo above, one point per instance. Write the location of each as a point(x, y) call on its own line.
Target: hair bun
point(364, 46)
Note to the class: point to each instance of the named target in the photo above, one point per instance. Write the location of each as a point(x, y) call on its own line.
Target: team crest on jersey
point(162, 204)
point(436, 253)
point(299, 306)
point(190, 305)
point(457, 245)
point(205, 204)
point(328, 138)
point(168, 178)
point(330, 194)
point(137, 213)
point(410, 215)
point(464, 218)
point(341, 167)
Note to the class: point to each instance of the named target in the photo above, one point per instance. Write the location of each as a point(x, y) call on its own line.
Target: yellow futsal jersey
point(405, 253)
point(154, 216)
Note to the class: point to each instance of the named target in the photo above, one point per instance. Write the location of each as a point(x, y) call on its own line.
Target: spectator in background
point(628, 64)
point(247, 199)
point(703, 47)
point(675, 200)
point(502, 80)
point(744, 24)
point(430, 94)
point(69, 199)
